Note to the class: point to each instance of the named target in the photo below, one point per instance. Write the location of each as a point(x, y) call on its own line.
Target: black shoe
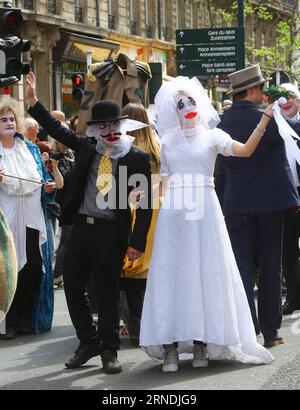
point(9, 335)
point(110, 363)
point(83, 354)
point(289, 308)
point(274, 341)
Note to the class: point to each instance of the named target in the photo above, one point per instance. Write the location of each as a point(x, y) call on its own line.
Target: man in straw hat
point(107, 166)
point(256, 192)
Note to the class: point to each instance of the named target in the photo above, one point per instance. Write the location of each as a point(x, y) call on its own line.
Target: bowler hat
point(106, 111)
point(248, 77)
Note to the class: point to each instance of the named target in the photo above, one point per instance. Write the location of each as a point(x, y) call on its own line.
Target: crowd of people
point(141, 211)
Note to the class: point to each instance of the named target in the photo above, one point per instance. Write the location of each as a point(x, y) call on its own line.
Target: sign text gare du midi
point(206, 52)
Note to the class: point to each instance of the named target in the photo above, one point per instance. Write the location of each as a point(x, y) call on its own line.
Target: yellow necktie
point(104, 180)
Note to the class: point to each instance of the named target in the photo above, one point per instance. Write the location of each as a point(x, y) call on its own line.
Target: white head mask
point(113, 141)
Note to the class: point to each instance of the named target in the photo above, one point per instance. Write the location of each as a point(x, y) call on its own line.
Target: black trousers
point(260, 235)
point(135, 291)
point(20, 315)
point(94, 250)
point(61, 250)
point(291, 254)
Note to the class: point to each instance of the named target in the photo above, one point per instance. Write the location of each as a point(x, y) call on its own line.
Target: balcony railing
point(111, 22)
point(133, 28)
point(51, 7)
point(78, 14)
point(149, 31)
point(165, 33)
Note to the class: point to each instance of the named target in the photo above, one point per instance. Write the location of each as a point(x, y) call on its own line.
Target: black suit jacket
point(262, 183)
point(136, 162)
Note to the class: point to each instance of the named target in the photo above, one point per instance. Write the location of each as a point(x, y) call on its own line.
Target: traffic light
point(77, 86)
point(12, 45)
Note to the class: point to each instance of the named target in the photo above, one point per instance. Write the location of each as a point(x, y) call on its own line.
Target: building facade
point(65, 33)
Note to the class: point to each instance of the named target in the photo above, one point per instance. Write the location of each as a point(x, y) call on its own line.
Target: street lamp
point(89, 59)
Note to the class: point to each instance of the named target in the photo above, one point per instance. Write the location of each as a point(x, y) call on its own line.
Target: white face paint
point(291, 108)
point(110, 131)
point(8, 125)
point(187, 110)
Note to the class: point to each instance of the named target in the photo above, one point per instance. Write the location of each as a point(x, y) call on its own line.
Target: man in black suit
point(100, 236)
point(254, 192)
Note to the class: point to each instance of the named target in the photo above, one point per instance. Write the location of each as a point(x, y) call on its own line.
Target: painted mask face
point(110, 131)
point(7, 124)
point(291, 108)
point(186, 109)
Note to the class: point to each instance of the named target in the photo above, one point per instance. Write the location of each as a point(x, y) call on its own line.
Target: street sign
point(206, 52)
point(210, 35)
point(200, 68)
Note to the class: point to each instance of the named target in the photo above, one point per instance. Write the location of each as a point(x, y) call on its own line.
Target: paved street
point(37, 362)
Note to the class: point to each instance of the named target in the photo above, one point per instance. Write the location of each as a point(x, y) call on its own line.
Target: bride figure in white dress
point(195, 304)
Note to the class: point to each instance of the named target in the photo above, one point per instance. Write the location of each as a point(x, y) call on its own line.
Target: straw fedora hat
point(248, 77)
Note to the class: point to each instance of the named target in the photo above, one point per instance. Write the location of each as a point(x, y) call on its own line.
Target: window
point(51, 7)
point(28, 4)
point(78, 14)
point(112, 14)
point(132, 20)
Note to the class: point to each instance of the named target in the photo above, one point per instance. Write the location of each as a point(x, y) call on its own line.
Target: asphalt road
point(37, 362)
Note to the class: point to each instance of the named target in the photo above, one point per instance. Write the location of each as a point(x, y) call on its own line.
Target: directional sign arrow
point(182, 50)
point(192, 68)
point(181, 34)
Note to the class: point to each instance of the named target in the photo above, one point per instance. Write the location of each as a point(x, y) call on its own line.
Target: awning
point(79, 51)
point(74, 46)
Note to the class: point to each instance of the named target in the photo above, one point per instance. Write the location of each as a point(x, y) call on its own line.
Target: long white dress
point(194, 289)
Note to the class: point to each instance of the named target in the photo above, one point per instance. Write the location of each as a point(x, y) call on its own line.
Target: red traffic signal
point(77, 86)
point(77, 80)
point(10, 22)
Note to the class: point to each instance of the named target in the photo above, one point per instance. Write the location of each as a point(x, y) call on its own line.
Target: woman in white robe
point(195, 304)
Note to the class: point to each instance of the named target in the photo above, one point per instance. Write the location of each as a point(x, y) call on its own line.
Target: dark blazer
point(262, 183)
point(135, 162)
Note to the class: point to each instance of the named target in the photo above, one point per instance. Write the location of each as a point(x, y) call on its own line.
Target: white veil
point(166, 103)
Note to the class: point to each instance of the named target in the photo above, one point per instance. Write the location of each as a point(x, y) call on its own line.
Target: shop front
point(71, 55)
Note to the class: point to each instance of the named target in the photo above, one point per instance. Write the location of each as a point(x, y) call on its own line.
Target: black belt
point(93, 221)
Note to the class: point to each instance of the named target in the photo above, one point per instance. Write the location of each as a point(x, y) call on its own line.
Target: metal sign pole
point(241, 13)
point(241, 22)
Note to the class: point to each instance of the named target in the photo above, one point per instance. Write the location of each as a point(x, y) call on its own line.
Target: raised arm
point(52, 126)
point(246, 150)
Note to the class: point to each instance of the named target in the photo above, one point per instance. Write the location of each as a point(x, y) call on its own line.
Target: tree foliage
point(283, 54)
